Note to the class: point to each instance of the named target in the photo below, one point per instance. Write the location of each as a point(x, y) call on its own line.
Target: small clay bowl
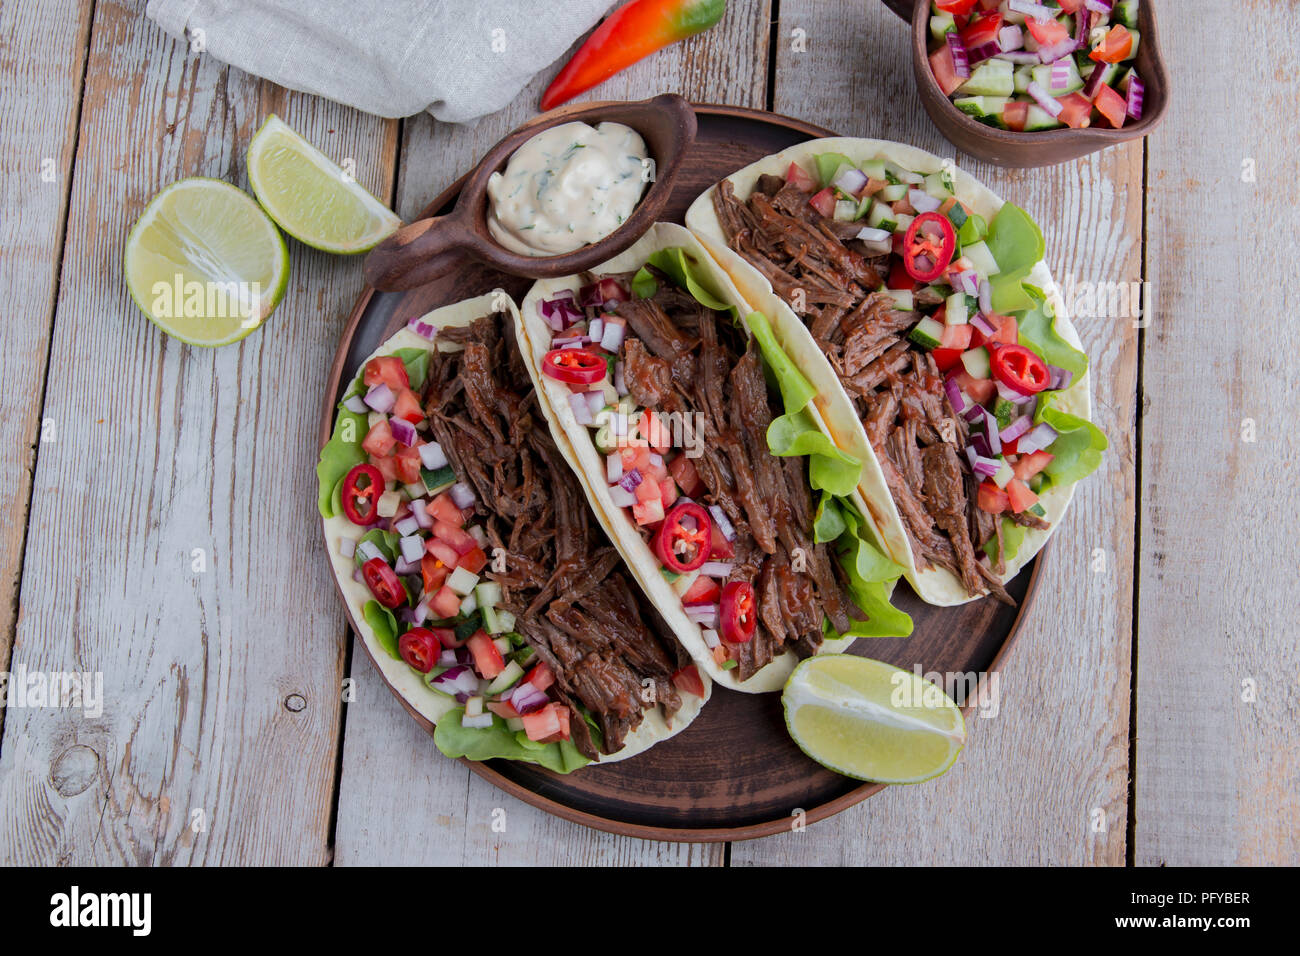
point(1047, 147)
point(431, 248)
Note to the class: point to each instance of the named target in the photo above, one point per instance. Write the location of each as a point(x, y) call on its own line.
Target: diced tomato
point(703, 591)
point(946, 359)
point(454, 535)
point(1076, 111)
point(719, 655)
point(541, 676)
point(899, 277)
point(1031, 465)
point(473, 561)
point(1070, 6)
point(446, 637)
point(804, 180)
point(945, 70)
point(1112, 106)
point(634, 456)
point(408, 407)
point(408, 464)
point(992, 498)
point(1019, 497)
point(387, 467)
point(956, 337)
point(379, 441)
point(990, 4)
point(656, 434)
point(667, 493)
point(1047, 33)
point(434, 573)
point(688, 680)
point(442, 508)
point(657, 472)
point(1015, 115)
point(562, 713)
point(542, 723)
point(386, 370)
point(979, 389)
point(685, 474)
point(487, 659)
point(445, 603)
point(648, 512)
point(719, 546)
point(442, 551)
point(648, 490)
point(1117, 45)
point(824, 202)
point(982, 29)
point(957, 8)
point(503, 709)
point(1005, 331)
point(1010, 448)
point(903, 207)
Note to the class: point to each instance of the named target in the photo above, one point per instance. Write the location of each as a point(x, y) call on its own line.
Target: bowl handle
point(904, 8)
point(421, 252)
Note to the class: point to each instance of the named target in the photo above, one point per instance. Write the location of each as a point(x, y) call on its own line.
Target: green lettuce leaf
point(1013, 536)
point(829, 467)
point(871, 578)
point(829, 166)
point(1039, 335)
point(384, 624)
point(1017, 244)
point(417, 365)
point(828, 524)
point(1079, 447)
point(340, 455)
point(680, 266)
point(498, 742)
point(385, 541)
point(644, 285)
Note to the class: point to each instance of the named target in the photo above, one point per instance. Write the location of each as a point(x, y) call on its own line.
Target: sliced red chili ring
point(383, 583)
point(574, 366)
point(679, 546)
point(738, 612)
point(1019, 368)
point(420, 648)
point(353, 495)
point(928, 246)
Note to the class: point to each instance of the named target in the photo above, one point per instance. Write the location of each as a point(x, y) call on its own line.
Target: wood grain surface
point(223, 739)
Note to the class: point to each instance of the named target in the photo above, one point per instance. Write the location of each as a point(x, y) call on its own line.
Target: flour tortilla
point(406, 682)
point(935, 585)
point(591, 464)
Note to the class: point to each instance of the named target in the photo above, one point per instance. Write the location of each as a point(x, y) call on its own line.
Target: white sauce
point(567, 187)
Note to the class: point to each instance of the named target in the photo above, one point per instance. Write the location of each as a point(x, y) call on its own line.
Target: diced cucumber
point(1022, 77)
point(728, 664)
point(1004, 475)
point(954, 312)
point(515, 724)
point(981, 258)
point(942, 23)
point(1122, 77)
point(502, 644)
point(901, 175)
point(875, 168)
point(904, 220)
point(1110, 71)
point(864, 206)
point(1043, 77)
point(466, 628)
point(1005, 412)
point(506, 679)
point(506, 620)
point(981, 107)
point(972, 230)
point(462, 582)
point(903, 299)
point(474, 706)
point(990, 78)
point(437, 480)
point(1038, 118)
point(1038, 509)
point(1133, 50)
point(882, 217)
point(893, 193)
point(976, 362)
point(846, 210)
point(927, 333)
point(1126, 12)
point(491, 620)
point(525, 656)
point(939, 185)
point(488, 593)
point(829, 166)
point(468, 604)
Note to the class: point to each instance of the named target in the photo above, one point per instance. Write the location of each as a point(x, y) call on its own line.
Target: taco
point(476, 572)
point(695, 434)
point(946, 358)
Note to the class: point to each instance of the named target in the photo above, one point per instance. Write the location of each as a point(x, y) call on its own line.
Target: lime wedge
point(868, 720)
point(204, 262)
point(310, 196)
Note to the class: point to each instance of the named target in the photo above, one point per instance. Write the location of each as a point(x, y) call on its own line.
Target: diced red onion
point(611, 336)
point(1058, 378)
point(985, 51)
point(630, 480)
point(923, 202)
point(432, 456)
point(404, 565)
point(955, 396)
point(717, 569)
point(1050, 54)
point(595, 330)
point(1082, 19)
point(380, 397)
point(974, 413)
point(358, 576)
point(986, 305)
point(462, 495)
point(850, 181)
point(526, 698)
point(620, 383)
point(581, 410)
point(1044, 99)
point(420, 512)
point(1060, 76)
point(1017, 428)
point(1021, 58)
point(357, 403)
point(1099, 6)
point(1095, 81)
point(368, 550)
point(870, 234)
point(980, 465)
point(960, 60)
point(561, 311)
point(402, 430)
point(711, 639)
point(705, 615)
point(422, 328)
point(991, 435)
point(590, 297)
point(447, 658)
point(1136, 95)
point(967, 281)
point(456, 680)
point(720, 519)
point(347, 547)
point(613, 467)
point(1011, 38)
point(1039, 438)
point(1010, 394)
point(412, 546)
point(595, 402)
point(407, 525)
point(621, 497)
point(1036, 10)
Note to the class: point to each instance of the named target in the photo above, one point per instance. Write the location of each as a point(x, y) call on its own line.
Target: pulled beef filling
point(682, 358)
point(833, 283)
point(563, 581)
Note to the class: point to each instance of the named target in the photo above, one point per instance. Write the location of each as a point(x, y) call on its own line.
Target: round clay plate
point(734, 773)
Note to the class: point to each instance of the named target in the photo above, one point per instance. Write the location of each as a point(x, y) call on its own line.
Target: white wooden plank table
point(158, 534)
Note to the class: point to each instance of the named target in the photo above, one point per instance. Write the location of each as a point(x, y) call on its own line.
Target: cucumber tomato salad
point(1027, 66)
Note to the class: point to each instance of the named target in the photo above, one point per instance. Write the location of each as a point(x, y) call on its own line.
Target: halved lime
point(310, 196)
point(869, 720)
point(205, 263)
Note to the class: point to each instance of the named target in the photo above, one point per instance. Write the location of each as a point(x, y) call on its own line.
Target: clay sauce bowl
point(431, 248)
point(1047, 147)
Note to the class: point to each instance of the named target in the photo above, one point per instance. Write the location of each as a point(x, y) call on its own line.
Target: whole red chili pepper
point(630, 33)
